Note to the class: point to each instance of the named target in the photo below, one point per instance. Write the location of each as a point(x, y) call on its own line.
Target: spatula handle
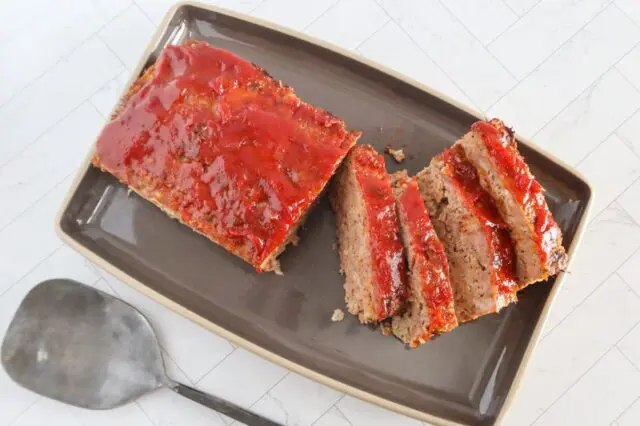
point(222, 406)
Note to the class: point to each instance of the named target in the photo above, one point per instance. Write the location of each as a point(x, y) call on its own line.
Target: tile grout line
point(197, 382)
point(270, 389)
point(437, 65)
point(633, 364)
point(327, 410)
point(13, 156)
point(144, 12)
point(633, 21)
point(581, 93)
point(356, 49)
point(625, 410)
point(37, 200)
point(342, 412)
point(548, 57)
point(320, 16)
point(455, 17)
point(61, 59)
point(508, 6)
point(548, 332)
point(574, 383)
point(38, 263)
point(628, 286)
point(15, 419)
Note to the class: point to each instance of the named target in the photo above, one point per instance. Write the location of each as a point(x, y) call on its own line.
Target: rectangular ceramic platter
point(463, 377)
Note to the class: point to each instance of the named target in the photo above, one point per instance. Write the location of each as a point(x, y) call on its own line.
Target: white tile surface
point(41, 166)
point(18, 254)
point(392, 47)
point(610, 239)
point(630, 347)
point(631, 8)
point(105, 99)
point(630, 201)
point(631, 417)
point(68, 57)
point(548, 90)
point(629, 133)
point(573, 347)
point(54, 95)
point(296, 400)
point(128, 35)
point(243, 378)
point(588, 120)
point(541, 31)
point(349, 22)
point(362, 413)
point(609, 182)
point(521, 6)
point(630, 271)
point(629, 66)
point(292, 13)
point(333, 417)
point(450, 45)
point(496, 17)
point(52, 37)
point(581, 406)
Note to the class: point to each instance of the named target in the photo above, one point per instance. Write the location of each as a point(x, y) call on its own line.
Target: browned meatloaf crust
point(476, 241)
point(224, 148)
point(491, 147)
point(371, 253)
point(430, 308)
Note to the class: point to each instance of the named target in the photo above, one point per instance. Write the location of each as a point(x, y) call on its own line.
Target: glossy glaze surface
point(290, 315)
point(483, 207)
point(226, 148)
point(387, 254)
point(528, 192)
point(430, 261)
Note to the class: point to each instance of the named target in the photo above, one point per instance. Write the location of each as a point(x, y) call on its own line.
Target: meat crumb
point(397, 154)
point(334, 246)
point(337, 315)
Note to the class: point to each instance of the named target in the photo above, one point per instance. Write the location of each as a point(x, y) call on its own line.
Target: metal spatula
point(81, 346)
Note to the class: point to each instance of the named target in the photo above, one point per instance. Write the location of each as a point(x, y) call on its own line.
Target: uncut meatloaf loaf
point(477, 241)
point(491, 147)
point(430, 308)
point(370, 249)
point(224, 148)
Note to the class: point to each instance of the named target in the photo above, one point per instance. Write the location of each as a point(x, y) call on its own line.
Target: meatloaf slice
point(476, 240)
point(370, 249)
point(430, 298)
point(218, 144)
point(491, 147)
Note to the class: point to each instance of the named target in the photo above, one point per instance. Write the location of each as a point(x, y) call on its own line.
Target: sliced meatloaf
point(430, 298)
point(477, 242)
point(491, 147)
point(371, 253)
point(218, 144)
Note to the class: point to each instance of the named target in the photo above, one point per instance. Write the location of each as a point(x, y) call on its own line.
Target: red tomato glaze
point(430, 259)
point(386, 248)
point(500, 143)
point(232, 152)
point(467, 182)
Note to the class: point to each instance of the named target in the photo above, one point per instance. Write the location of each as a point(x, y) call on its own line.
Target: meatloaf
point(491, 147)
point(430, 308)
point(477, 241)
point(221, 146)
point(371, 253)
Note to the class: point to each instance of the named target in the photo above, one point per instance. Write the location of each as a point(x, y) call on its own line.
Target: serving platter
point(465, 377)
